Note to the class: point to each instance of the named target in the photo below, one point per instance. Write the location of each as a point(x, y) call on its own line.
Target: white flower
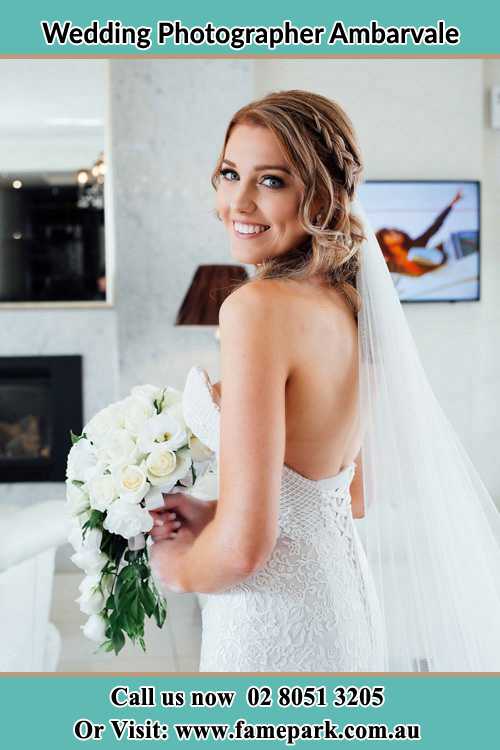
point(154, 499)
point(90, 559)
point(147, 393)
point(82, 460)
point(161, 462)
point(92, 598)
point(132, 483)
point(127, 519)
point(199, 451)
point(136, 412)
point(89, 582)
point(206, 486)
point(108, 419)
point(94, 592)
point(102, 491)
point(75, 538)
point(92, 539)
point(95, 628)
point(171, 397)
point(165, 429)
point(77, 497)
point(120, 447)
point(166, 468)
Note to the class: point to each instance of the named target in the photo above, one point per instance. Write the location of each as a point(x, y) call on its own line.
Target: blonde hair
point(319, 144)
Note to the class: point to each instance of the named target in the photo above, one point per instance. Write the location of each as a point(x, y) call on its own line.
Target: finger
point(174, 500)
point(164, 532)
point(162, 515)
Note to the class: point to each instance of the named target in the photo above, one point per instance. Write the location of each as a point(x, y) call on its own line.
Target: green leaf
point(148, 600)
point(77, 482)
point(75, 438)
point(96, 519)
point(118, 641)
point(160, 613)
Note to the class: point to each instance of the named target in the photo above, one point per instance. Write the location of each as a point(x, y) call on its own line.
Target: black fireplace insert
point(40, 402)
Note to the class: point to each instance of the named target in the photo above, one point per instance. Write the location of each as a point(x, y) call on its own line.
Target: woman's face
point(258, 197)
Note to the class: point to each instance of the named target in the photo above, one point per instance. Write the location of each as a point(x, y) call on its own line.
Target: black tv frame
point(441, 182)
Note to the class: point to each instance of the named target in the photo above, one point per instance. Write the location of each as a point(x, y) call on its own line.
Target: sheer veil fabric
point(431, 530)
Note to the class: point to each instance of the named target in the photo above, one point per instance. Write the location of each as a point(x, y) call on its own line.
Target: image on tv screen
point(429, 235)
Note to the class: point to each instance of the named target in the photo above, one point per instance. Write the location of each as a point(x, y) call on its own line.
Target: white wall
point(52, 115)
point(168, 119)
point(426, 119)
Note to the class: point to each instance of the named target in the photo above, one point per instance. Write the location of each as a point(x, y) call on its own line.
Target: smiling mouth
point(249, 230)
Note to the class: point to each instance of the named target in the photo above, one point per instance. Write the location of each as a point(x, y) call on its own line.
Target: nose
point(242, 200)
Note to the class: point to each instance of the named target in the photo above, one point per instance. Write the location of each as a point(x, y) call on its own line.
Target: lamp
point(210, 286)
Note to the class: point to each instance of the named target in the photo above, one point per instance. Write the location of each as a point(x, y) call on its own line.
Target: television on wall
point(429, 233)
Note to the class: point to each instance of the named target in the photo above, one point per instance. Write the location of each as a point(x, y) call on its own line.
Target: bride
point(324, 416)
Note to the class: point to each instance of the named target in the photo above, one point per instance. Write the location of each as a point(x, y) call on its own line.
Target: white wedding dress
point(313, 606)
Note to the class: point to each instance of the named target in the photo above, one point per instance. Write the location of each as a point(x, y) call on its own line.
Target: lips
point(247, 230)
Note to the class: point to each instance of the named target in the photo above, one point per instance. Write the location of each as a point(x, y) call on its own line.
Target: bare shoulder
point(254, 301)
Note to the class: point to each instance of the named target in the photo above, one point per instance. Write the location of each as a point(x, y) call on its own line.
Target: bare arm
point(242, 535)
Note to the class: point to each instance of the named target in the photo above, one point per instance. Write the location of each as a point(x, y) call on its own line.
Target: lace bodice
point(312, 607)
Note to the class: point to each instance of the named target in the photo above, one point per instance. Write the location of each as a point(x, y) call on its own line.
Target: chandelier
point(91, 185)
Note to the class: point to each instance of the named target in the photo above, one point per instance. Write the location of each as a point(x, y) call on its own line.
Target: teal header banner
point(228, 28)
point(232, 710)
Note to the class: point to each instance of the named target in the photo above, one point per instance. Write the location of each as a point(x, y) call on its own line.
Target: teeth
point(249, 228)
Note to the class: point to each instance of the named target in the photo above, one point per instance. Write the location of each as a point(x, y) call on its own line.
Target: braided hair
point(320, 147)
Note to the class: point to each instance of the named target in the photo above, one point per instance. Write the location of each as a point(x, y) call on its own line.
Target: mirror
point(52, 183)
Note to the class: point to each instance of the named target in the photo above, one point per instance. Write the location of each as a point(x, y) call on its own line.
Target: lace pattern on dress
point(313, 606)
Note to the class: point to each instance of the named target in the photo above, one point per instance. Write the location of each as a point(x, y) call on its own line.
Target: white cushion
point(28, 531)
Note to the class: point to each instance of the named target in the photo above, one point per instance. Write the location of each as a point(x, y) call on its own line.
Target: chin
point(243, 255)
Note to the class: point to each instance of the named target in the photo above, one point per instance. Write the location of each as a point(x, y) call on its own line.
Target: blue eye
point(225, 173)
point(278, 182)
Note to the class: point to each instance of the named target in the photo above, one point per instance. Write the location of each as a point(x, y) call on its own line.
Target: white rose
point(206, 486)
point(104, 422)
point(132, 483)
point(161, 462)
point(89, 559)
point(160, 473)
point(127, 519)
point(199, 451)
point(77, 497)
point(102, 491)
point(136, 413)
point(82, 460)
point(95, 628)
point(120, 448)
point(165, 429)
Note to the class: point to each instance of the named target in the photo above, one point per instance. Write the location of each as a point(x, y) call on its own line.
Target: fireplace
point(40, 402)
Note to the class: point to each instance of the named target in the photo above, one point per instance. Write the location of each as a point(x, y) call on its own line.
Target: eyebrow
point(260, 167)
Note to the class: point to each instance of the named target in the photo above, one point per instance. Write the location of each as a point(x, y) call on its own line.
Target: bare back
point(322, 415)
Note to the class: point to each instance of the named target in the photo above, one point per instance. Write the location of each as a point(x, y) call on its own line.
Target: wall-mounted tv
point(429, 234)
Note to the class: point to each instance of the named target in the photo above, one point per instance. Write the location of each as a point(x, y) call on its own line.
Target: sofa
point(29, 537)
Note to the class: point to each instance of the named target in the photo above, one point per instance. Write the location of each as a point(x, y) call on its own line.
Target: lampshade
point(209, 288)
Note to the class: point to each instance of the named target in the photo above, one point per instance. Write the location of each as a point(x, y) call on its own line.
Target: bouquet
point(126, 457)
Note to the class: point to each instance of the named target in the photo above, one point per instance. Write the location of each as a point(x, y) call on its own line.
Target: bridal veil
point(431, 530)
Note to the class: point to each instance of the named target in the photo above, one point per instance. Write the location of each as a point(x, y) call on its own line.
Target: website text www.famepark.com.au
point(292, 733)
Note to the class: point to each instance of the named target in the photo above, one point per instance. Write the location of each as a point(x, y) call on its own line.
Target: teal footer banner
point(63, 711)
